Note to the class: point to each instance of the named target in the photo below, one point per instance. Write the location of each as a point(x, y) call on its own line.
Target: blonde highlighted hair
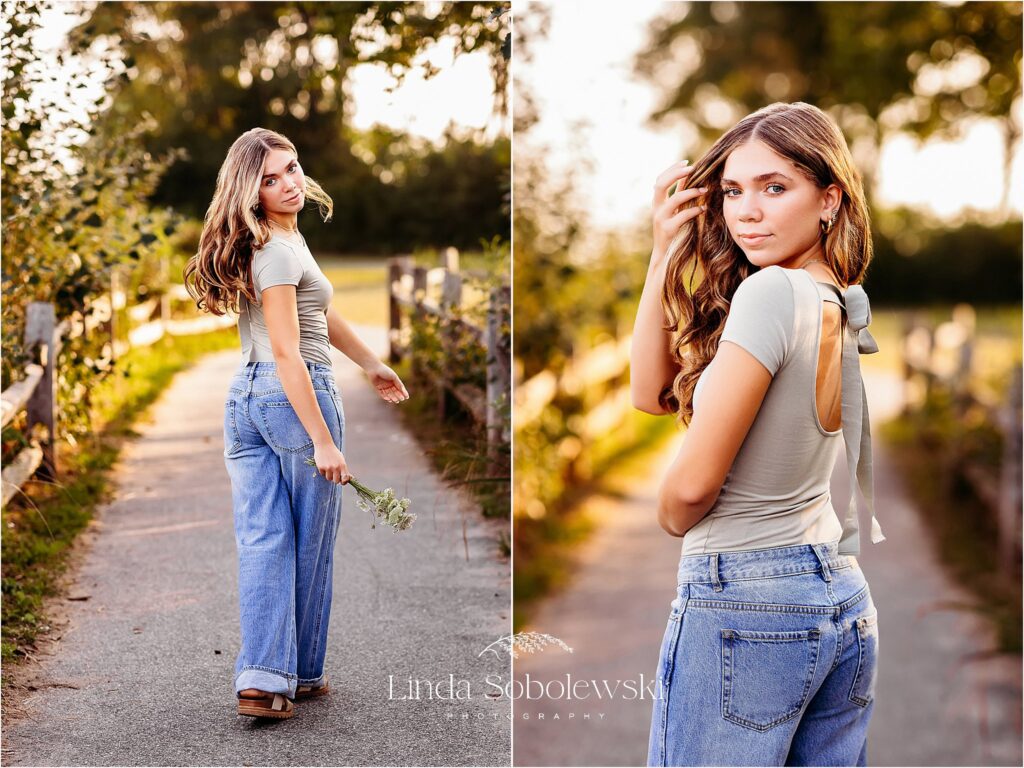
point(809, 138)
point(235, 226)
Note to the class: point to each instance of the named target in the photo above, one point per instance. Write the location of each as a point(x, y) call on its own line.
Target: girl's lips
point(754, 240)
point(293, 199)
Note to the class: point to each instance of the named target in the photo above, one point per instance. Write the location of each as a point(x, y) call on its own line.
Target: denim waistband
point(762, 563)
point(257, 369)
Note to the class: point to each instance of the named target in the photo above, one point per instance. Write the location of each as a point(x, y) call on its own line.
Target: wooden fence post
point(165, 297)
point(115, 285)
point(396, 268)
point(451, 300)
point(40, 328)
point(1010, 481)
point(498, 374)
point(419, 292)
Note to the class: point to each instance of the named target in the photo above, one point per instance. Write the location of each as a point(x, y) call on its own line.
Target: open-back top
point(777, 492)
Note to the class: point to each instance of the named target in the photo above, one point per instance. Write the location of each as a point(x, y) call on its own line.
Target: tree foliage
point(894, 61)
point(64, 231)
point(207, 72)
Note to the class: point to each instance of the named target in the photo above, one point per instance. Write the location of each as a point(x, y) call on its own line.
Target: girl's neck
point(289, 225)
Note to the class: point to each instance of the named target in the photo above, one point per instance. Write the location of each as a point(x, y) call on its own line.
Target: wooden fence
point(942, 357)
point(600, 378)
point(409, 288)
point(36, 392)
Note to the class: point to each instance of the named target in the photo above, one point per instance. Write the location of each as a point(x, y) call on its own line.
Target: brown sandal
point(309, 692)
point(273, 705)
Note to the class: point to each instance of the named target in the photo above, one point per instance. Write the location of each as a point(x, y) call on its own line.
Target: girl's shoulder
point(279, 244)
point(765, 287)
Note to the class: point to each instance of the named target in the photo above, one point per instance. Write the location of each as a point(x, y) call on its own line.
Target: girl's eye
point(727, 190)
point(291, 168)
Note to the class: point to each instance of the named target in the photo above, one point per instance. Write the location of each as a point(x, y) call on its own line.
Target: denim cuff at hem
point(315, 682)
point(264, 680)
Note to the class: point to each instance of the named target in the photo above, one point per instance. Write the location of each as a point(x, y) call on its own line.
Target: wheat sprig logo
point(523, 642)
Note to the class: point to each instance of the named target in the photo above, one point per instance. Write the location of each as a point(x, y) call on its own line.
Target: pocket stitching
point(813, 639)
point(666, 674)
point(863, 623)
point(235, 436)
point(274, 439)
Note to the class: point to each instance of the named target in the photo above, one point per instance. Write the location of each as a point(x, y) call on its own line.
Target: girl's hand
point(330, 462)
point(666, 215)
point(387, 383)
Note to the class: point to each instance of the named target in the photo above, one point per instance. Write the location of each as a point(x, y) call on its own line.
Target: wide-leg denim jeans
point(769, 658)
point(286, 519)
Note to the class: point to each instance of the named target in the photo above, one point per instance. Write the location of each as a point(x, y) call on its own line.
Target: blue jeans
point(769, 658)
point(286, 520)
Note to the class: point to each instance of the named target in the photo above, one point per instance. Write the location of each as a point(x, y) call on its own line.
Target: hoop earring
point(827, 227)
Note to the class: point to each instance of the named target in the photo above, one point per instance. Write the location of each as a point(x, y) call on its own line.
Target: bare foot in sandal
point(256, 703)
point(309, 692)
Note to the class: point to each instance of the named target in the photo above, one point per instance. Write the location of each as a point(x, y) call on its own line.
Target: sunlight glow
point(593, 116)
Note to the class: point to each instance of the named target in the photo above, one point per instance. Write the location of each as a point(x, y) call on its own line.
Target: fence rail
point(409, 288)
point(600, 378)
point(35, 392)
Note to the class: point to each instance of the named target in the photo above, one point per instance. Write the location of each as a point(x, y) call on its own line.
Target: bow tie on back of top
point(857, 340)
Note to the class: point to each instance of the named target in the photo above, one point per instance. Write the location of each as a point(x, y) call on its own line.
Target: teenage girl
point(749, 330)
point(283, 406)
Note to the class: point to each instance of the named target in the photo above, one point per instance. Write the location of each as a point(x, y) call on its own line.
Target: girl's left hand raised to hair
point(387, 383)
point(667, 212)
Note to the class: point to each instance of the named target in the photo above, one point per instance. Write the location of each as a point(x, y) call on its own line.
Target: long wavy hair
point(696, 314)
point(236, 226)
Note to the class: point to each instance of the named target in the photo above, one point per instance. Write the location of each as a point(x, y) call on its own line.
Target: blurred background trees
point(207, 72)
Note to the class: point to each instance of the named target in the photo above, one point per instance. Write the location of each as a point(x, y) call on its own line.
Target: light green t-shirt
point(283, 262)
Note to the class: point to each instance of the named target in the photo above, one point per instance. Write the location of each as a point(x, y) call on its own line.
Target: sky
point(582, 71)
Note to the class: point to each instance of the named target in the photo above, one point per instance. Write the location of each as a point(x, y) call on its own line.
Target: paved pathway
point(934, 705)
point(143, 673)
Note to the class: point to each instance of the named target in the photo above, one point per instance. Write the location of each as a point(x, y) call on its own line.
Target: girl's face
point(283, 187)
point(771, 209)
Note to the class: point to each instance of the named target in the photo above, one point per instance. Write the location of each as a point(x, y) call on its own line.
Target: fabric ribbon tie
point(856, 424)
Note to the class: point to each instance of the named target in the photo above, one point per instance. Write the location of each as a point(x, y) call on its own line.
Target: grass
point(457, 448)
point(360, 289)
point(997, 339)
point(40, 526)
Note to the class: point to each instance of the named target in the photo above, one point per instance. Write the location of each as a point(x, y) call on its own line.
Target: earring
point(827, 228)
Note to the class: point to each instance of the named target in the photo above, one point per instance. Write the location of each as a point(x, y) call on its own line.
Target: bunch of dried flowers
point(383, 505)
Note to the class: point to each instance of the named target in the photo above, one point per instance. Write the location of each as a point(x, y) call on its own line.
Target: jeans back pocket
point(766, 676)
point(862, 692)
point(284, 429)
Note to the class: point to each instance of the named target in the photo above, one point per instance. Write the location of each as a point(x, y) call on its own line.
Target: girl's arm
point(651, 365)
point(732, 395)
point(387, 383)
point(282, 316)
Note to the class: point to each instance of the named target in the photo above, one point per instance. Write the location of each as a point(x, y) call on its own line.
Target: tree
point(63, 233)
point(206, 72)
point(918, 67)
